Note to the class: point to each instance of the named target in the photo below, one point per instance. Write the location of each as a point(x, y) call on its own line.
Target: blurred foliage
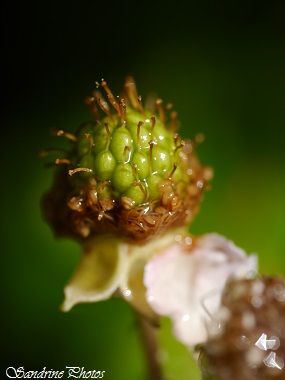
point(223, 68)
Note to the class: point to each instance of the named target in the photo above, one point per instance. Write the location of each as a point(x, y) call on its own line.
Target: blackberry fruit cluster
point(128, 172)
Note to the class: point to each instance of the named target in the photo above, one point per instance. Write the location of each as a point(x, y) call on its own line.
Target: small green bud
point(104, 165)
point(121, 144)
point(163, 140)
point(123, 177)
point(141, 160)
point(152, 186)
point(85, 139)
point(104, 190)
point(141, 135)
point(101, 137)
point(161, 161)
point(136, 192)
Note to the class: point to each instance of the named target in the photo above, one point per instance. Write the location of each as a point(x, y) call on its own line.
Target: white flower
point(170, 276)
point(185, 281)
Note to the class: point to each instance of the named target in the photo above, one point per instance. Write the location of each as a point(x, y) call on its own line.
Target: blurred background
point(222, 65)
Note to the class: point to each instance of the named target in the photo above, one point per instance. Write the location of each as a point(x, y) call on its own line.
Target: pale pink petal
point(186, 284)
point(132, 287)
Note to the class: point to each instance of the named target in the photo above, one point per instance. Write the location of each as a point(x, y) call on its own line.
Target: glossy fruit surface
point(128, 171)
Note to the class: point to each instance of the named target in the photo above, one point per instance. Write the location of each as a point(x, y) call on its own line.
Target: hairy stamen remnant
point(128, 172)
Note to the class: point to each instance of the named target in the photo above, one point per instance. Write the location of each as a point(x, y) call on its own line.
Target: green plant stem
point(150, 345)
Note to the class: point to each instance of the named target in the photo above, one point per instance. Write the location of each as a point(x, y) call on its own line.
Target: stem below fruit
point(150, 345)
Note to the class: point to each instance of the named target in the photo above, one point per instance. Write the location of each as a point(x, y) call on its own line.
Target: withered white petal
point(99, 272)
point(110, 264)
point(132, 286)
point(186, 284)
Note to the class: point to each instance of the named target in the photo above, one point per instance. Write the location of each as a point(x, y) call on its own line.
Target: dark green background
point(221, 64)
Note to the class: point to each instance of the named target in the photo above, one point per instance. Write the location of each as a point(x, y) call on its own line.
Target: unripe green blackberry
point(128, 171)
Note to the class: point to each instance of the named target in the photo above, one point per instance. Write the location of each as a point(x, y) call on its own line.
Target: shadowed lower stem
point(150, 345)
